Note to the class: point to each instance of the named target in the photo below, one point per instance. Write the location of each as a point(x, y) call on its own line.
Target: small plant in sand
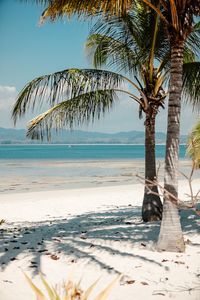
point(71, 290)
point(2, 221)
point(193, 145)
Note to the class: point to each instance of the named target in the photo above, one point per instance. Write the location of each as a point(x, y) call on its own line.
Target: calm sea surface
point(47, 167)
point(80, 152)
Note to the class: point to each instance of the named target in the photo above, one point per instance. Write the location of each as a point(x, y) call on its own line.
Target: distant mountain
point(18, 136)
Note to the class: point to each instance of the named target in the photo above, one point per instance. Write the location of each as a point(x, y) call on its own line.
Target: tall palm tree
point(126, 42)
point(178, 17)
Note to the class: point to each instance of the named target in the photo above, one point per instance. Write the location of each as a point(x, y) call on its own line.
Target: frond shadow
point(115, 232)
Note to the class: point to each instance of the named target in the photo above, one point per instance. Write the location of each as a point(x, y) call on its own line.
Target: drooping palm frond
point(66, 84)
point(79, 110)
point(134, 31)
point(188, 55)
point(191, 83)
point(127, 42)
point(193, 39)
point(193, 146)
point(106, 51)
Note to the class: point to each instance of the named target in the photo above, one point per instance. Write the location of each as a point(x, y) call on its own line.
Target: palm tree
point(178, 17)
point(127, 43)
point(120, 43)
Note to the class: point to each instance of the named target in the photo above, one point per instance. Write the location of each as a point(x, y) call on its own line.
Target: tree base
point(177, 246)
point(151, 208)
point(170, 237)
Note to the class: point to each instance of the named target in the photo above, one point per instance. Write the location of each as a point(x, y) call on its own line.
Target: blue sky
point(28, 51)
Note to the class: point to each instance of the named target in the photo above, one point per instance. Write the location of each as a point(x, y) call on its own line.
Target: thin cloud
point(7, 97)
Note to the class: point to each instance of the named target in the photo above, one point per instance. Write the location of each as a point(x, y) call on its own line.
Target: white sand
point(94, 232)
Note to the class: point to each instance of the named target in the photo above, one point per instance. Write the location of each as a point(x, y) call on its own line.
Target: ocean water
point(80, 152)
point(25, 168)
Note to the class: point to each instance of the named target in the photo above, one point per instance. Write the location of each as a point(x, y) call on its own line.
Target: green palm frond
point(193, 146)
point(80, 110)
point(66, 84)
point(125, 42)
point(188, 55)
point(193, 40)
point(110, 52)
point(123, 29)
point(191, 83)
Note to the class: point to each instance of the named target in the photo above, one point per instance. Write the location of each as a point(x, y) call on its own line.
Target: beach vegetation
point(70, 290)
point(193, 145)
point(2, 221)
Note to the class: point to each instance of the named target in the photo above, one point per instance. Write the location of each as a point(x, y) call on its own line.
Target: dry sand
point(94, 232)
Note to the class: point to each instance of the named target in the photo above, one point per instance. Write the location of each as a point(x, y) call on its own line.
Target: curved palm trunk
point(170, 237)
point(152, 205)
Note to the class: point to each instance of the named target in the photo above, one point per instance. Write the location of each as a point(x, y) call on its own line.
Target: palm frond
point(66, 84)
point(39, 2)
point(174, 14)
point(105, 50)
point(122, 29)
point(58, 9)
point(158, 11)
point(188, 55)
point(152, 51)
point(125, 42)
point(80, 110)
point(193, 146)
point(159, 83)
point(193, 40)
point(191, 83)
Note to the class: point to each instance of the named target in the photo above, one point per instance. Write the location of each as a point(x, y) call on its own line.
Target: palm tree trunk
point(152, 205)
point(171, 237)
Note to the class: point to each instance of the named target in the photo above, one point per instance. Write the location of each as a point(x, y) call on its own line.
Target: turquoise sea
point(80, 152)
point(25, 168)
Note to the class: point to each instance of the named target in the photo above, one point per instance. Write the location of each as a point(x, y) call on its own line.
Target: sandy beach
point(99, 107)
point(94, 233)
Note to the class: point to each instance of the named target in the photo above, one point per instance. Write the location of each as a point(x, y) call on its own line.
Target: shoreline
point(22, 176)
point(82, 144)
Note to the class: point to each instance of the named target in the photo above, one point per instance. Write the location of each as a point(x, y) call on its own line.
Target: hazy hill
point(18, 136)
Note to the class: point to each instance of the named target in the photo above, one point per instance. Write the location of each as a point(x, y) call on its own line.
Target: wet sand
point(31, 175)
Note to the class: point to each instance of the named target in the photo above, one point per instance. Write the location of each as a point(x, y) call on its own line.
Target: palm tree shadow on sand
point(115, 232)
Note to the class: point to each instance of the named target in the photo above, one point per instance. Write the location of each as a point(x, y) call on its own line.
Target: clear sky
point(27, 51)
